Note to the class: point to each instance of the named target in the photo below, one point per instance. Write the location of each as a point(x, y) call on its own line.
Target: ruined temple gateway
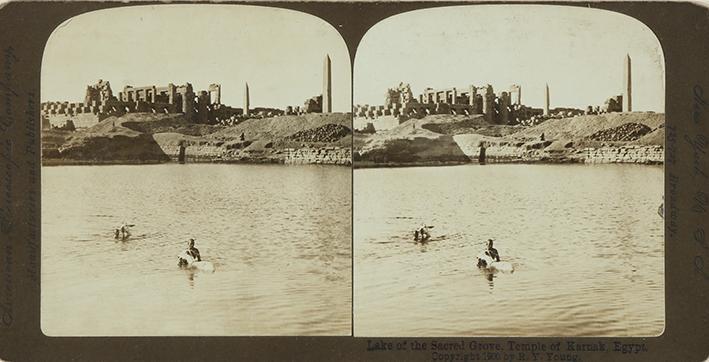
point(501, 108)
point(202, 106)
point(174, 98)
point(505, 107)
point(99, 103)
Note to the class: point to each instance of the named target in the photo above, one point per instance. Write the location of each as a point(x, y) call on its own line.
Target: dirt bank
point(149, 138)
point(636, 137)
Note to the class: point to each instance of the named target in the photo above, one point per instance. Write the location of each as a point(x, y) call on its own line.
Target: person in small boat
point(423, 232)
point(124, 230)
point(191, 251)
point(117, 233)
point(491, 252)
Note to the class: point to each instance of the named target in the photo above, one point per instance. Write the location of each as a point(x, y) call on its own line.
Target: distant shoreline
point(143, 138)
point(370, 164)
point(68, 162)
point(625, 138)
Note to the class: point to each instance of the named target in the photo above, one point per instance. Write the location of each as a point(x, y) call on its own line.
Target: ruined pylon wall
point(99, 103)
point(500, 109)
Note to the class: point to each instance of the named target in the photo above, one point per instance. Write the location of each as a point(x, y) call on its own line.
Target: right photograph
point(509, 174)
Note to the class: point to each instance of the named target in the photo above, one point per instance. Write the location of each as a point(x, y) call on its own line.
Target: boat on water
point(186, 261)
point(488, 263)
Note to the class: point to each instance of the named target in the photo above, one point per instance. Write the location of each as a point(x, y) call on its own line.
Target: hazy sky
point(279, 52)
point(578, 51)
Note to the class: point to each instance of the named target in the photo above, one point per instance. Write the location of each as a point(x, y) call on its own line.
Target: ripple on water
point(574, 253)
point(277, 271)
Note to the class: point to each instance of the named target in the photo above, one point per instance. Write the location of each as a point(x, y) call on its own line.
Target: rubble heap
point(625, 132)
point(326, 133)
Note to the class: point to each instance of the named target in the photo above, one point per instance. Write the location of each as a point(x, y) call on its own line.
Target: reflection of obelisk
point(627, 84)
point(326, 87)
point(546, 100)
point(246, 99)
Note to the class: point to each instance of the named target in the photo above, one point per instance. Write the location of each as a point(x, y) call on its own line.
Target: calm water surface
point(279, 237)
point(586, 242)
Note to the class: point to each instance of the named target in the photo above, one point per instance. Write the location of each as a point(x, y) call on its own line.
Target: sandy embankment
point(636, 137)
point(150, 138)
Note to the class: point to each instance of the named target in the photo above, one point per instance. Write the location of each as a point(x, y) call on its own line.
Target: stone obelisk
point(326, 86)
point(246, 99)
point(546, 100)
point(627, 85)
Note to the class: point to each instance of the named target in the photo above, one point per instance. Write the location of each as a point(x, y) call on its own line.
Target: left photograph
point(196, 175)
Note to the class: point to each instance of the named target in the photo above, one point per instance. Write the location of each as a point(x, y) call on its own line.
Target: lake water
point(586, 242)
point(279, 237)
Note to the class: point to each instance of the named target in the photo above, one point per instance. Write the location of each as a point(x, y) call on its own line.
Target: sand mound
point(656, 137)
point(282, 126)
point(625, 132)
point(326, 133)
point(586, 126)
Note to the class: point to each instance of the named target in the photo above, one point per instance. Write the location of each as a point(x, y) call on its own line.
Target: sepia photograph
point(196, 174)
point(354, 181)
point(509, 174)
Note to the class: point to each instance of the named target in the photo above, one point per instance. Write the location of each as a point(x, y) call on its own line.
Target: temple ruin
point(502, 108)
point(546, 99)
point(199, 106)
point(627, 85)
point(505, 107)
point(246, 99)
point(99, 103)
point(321, 103)
point(327, 86)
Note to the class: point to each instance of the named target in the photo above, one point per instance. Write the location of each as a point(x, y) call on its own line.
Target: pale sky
point(278, 52)
point(579, 52)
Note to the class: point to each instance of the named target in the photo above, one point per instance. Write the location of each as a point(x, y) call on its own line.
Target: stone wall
point(379, 123)
point(319, 155)
point(201, 106)
point(199, 150)
point(196, 150)
point(625, 154)
point(81, 120)
point(556, 152)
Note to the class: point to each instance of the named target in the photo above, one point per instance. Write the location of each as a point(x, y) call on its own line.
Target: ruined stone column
point(454, 96)
point(188, 101)
point(171, 93)
point(488, 104)
point(473, 93)
point(627, 85)
point(504, 107)
point(215, 89)
point(185, 104)
point(246, 99)
point(516, 94)
point(153, 94)
point(546, 100)
point(203, 107)
point(326, 86)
